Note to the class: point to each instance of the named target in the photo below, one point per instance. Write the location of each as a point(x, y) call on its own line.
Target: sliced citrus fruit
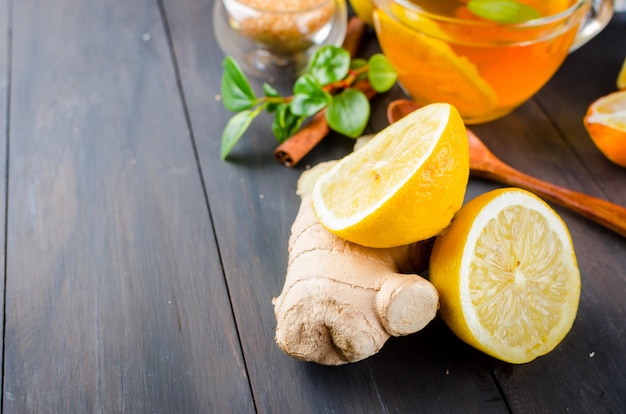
point(507, 275)
point(363, 9)
point(416, 20)
point(621, 77)
point(431, 71)
point(548, 7)
point(402, 186)
point(605, 121)
point(309, 177)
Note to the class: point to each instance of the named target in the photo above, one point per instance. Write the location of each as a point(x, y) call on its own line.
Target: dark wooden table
point(139, 268)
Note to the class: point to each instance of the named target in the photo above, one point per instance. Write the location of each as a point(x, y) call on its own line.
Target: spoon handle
point(601, 211)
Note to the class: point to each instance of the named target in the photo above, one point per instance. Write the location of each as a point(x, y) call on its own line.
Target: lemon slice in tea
point(443, 75)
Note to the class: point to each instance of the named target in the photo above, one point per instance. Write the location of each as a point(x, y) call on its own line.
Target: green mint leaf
point(237, 94)
point(356, 64)
point(270, 92)
point(285, 123)
point(279, 125)
point(503, 11)
point(348, 113)
point(329, 64)
point(305, 105)
point(309, 97)
point(306, 84)
point(382, 75)
point(234, 129)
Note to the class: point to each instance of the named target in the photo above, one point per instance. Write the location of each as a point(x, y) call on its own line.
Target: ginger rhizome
point(342, 301)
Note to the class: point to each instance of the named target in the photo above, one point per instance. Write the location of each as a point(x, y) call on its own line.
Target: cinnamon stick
point(354, 35)
point(290, 152)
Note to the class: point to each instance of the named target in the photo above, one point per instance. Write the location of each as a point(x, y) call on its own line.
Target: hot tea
point(445, 52)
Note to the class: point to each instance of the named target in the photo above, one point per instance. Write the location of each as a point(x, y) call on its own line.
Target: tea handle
point(598, 17)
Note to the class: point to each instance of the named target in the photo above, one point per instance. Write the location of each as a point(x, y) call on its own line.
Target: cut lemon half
point(363, 9)
point(507, 275)
point(431, 71)
point(621, 77)
point(548, 7)
point(605, 121)
point(402, 186)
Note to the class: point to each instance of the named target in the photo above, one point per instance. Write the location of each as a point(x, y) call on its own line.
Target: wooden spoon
point(484, 164)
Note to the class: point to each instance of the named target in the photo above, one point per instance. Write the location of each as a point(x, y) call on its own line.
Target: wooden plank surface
point(589, 73)
point(587, 373)
point(4, 108)
point(253, 203)
point(447, 374)
point(115, 297)
point(140, 267)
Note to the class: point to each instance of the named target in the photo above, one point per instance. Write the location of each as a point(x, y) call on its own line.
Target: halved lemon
point(507, 275)
point(363, 9)
point(621, 77)
point(605, 121)
point(402, 186)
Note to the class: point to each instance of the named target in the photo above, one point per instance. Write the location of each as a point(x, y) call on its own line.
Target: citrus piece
point(416, 20)
point(431, 71)
point(548, 7)
point(621, 77)
point(307, 179)
point(363, 9)
point(605, 121)
point(402, 186)
point(507, 275)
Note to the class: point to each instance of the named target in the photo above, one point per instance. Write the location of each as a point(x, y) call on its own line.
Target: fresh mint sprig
point(503, 11)
point(327, 83)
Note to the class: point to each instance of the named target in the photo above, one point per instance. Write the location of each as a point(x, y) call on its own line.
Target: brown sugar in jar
point(282, 27)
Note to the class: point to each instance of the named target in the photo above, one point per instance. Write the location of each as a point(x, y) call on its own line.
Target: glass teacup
point(444, 52)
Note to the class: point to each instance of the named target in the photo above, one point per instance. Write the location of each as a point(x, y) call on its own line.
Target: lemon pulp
point(507, 276)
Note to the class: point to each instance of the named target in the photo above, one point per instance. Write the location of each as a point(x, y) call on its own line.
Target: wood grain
point(252, 223)
point(5, 51)
point(140, 268)
point(588, 74)
point(115, 297)
point(587, 372)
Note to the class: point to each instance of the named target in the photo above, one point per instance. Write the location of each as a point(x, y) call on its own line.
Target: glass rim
point(318, 5)
point(534, 23)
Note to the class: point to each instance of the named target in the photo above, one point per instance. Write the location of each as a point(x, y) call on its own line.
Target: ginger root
point(342, 301)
